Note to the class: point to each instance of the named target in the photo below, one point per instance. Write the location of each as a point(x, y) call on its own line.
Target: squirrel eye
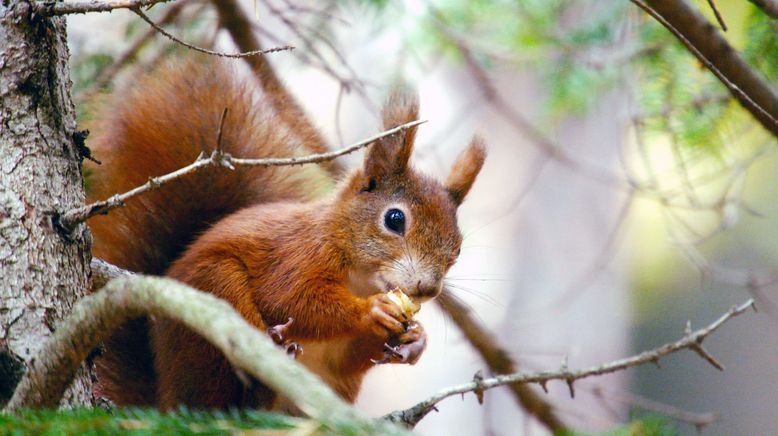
point(394, 220)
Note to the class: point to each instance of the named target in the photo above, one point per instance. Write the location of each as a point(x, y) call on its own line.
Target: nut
point(406, 305)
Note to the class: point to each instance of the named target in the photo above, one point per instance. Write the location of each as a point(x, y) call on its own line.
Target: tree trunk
point(42, 272)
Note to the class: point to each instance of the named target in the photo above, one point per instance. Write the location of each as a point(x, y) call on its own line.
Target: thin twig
point(712, 5)
point(128, 55)
point(696, 103)
point(354, 82)
point(70, 219)
point(499, 361)
point(221, 128)
point(285, 105)
point(323, 157)
point(537, 138)
point(690, 340)
point(205, 50)
point(51, 8)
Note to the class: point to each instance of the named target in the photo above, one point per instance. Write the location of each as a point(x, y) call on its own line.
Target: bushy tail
point(161, 124)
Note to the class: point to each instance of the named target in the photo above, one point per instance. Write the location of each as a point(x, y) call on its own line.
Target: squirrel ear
point(465, 169)
point(390, 154)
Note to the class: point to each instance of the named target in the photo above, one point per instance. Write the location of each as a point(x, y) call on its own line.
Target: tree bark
point(42, 272)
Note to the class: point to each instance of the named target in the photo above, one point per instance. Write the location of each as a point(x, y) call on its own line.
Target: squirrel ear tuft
point(390, 155)
point(401, 107)
point(465, 169)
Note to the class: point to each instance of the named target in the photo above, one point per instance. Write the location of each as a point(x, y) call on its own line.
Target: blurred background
point(625, 192)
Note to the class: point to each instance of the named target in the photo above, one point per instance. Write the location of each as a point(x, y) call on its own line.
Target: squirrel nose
point(427, 290)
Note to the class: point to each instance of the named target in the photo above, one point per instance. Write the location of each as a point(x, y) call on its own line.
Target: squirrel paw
point(278, 334)
point(407, 347)
point(386, 316)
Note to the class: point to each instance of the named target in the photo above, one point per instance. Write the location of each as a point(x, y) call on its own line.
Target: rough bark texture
point(42, 273)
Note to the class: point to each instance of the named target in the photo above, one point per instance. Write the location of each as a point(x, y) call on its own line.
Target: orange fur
point(269, 252)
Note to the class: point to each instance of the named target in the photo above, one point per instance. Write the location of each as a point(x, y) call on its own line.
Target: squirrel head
point(396, 226)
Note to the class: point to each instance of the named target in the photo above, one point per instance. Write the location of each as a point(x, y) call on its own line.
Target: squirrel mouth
point(389, 287)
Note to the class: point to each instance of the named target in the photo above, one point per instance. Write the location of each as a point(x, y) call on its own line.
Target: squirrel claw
point(381, 361)
point(278, 332)
point(392, 351)
point(407, 348)
point(293, 349)
point(410, 353)
point(403, 353)
point(389, 353)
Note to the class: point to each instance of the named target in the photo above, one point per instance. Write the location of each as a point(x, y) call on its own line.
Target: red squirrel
point(256, 238)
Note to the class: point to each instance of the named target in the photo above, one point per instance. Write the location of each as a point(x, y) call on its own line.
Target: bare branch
point(499, 361)
point(690, 340)
point(322, 157)
point(51, 8)
point(95, 317)
point(221, 127)
point(151, 23)
point(544, 143)
point(311, 36)
point(128, 55)
point(710, 48)
point(103, 272)
point(67, 221)
point(712, 5)
point(234, 20)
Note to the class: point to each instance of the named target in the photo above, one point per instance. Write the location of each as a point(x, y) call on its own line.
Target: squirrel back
point(158, 125)
point(162, 124)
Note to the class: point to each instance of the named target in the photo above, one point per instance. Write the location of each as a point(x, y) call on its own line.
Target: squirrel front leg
point(324, 311)
point(384, 337)
point(384, 314)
